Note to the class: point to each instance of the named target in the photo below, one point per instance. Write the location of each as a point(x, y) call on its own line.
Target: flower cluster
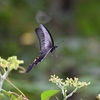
point(10, 63)
point(7, 66)
point(75, 83)
point(68, 82)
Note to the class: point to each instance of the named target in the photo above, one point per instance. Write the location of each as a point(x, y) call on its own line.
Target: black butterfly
point(46, 45)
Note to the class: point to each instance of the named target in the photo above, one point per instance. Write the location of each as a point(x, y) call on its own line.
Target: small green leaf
point(2, 95)
point(49, 93)
point(7, 93)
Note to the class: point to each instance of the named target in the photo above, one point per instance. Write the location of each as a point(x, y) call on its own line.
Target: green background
point(74, 21)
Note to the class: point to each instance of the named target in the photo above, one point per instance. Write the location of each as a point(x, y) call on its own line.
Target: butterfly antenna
point(60, 42)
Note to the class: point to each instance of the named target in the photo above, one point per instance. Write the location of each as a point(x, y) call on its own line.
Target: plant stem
point(65, 94)
point(69, 95)
point(2, 78)
point(17, 89)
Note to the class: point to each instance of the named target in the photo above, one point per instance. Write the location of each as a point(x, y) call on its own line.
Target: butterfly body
point(46, 45)
point(53, 48)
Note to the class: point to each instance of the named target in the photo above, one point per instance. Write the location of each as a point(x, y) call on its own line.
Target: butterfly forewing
point(47, 37)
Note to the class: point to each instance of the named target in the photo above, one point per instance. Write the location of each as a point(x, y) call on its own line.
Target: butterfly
point(46, 45)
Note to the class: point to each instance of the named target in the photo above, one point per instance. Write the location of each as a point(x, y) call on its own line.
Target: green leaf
point(7, 93)
point(2, 95)
point(49, 93)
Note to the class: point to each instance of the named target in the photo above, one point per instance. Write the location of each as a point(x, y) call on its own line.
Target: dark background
point(74, 21)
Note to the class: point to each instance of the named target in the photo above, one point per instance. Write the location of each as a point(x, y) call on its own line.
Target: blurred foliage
point(74, 21)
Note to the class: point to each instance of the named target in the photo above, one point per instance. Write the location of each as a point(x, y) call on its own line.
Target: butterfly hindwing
point(37, 60)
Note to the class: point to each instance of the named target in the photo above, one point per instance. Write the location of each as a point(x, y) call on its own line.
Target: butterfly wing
point(46, 45)
point(45, 38)
point(37, 60)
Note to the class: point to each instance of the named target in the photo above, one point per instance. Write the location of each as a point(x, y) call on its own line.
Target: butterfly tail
point(35, 62)
point(29, 68)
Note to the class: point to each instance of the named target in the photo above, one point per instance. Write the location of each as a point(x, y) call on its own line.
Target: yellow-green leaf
point(49, 93)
